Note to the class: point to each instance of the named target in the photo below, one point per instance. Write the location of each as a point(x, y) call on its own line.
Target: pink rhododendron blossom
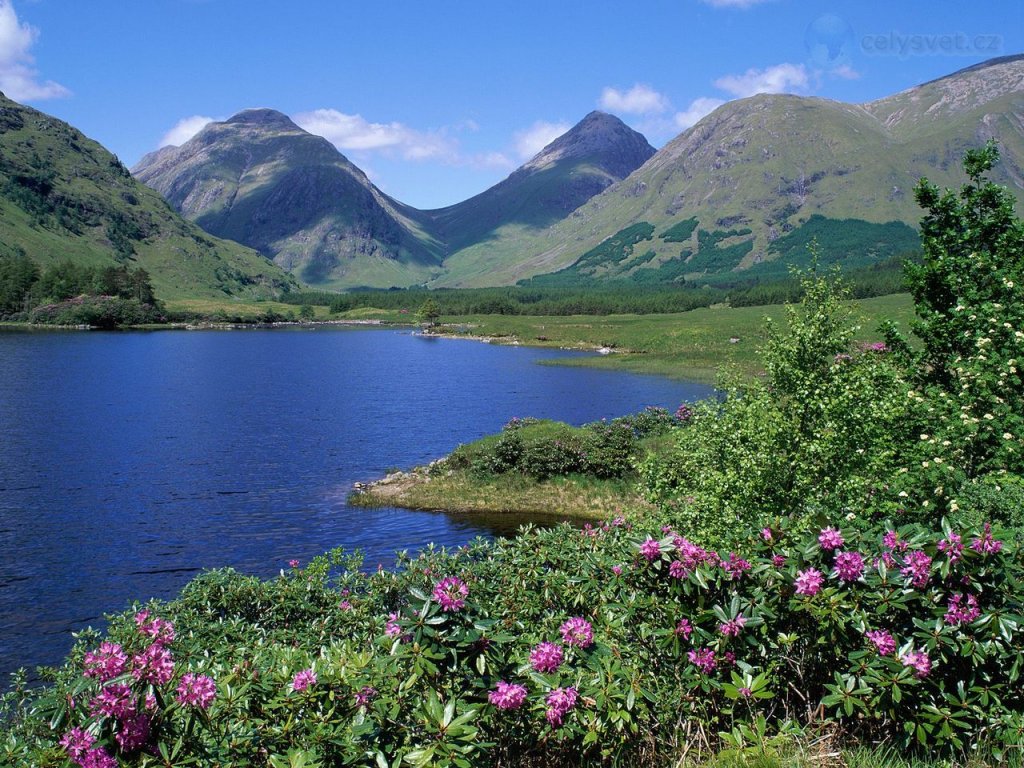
point(391, 628)
point(893, 542)
point(546, 657)
point(831, 539)
point(197, 691)
point(133, 731)
point(560, 701)
point(161, 631)
point(920, 662)
point(703, 659)
point(684, 629)
point(617, 570)
point(985, 544)
point(76, 743)
point(98, 757)
point(809, 582)
point(692, 555)
point(677, 570)
point(364, 695)
point(651, 550)
point(106, 663)
point(345, 605)
point(882, 640)
point(962, 609)
point(732, 627)
point(154, 665)
point(745, 692)
point(451, 593)
point(778, 561)
point(952, 546)
point(736, 566)
point(115, 700)
point(917, 566)
point(293, 563)
point(577, 631)
point(507, 695)
point(304, 680)
point(766, 534)
point(849, 566)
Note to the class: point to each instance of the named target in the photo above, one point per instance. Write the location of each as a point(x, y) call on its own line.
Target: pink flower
point(809, 582)
point(692, 555)
point(985, 544)
point(766, 534)
point(507, 695)
point(76, 743)
point(560, 701)
point(365, 695)
point(684, 629)
point(917, 567)
point(651, 550)
point(293, 563)
point(745, 692)
point(197, 691)
point(617, 570)
point(960, 613)
point(451, 593)
point(831, 539)
point(849, 566)
point(98, 757)
point(106, 663)
point(577, 631)
point(154, 665)
point(893, 542)
point(132, 731)
point(952, 546)
point(546, 657)
point(736, 566)
point(161, 631)
point(919, 661)
point(345, 605)
point(391, 628)
point(677, 570)
point(115, 700)
point(882, 640)
point(304, 680)
point(703, 659)
point(778, 561)
point(732, 627)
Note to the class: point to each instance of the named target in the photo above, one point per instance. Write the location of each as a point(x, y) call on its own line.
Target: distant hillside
point(761, 174)
point(260, 180)
point(485, 230)
point(63, 196)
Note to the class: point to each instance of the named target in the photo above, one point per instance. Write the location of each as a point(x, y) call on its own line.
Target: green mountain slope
point(64, 196)
point(486, 229)
point(259, 179)
point(757, 171)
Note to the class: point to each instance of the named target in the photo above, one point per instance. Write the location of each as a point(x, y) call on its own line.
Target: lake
point(131, 461)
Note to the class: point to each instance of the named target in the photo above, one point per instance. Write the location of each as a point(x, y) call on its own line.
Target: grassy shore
point(459, 491)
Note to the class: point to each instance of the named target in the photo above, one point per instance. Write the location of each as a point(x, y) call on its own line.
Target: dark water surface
point(131, 461)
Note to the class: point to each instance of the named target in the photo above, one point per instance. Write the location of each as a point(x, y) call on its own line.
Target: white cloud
point(354, 133)
point(698, 108)
point(782, 78)
point(845, 71)
point(19, 79)
point(185, 129)
point(639, 100)
point(743, 4)
point(532, 140)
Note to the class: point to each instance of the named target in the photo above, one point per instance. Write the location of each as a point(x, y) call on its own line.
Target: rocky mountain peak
point(618, 148)
point(263, 118)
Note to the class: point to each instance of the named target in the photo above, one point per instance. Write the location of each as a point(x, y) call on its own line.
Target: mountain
point(744, 190)
point(485, 230)
point(62, 195)
point(260, 180)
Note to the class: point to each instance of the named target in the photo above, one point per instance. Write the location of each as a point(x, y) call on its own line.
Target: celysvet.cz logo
point(907, 44)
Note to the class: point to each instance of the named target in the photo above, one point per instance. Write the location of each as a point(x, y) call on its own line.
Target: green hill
point(63, 196)
point(260, 180)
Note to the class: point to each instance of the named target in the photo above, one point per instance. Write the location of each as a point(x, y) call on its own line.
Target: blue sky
point(438, 100)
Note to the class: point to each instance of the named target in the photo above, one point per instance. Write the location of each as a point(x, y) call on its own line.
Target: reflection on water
point(129, 462)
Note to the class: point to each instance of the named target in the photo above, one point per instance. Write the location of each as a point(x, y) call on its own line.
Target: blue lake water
point(131, 461)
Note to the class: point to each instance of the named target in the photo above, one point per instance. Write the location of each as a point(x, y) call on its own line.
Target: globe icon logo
point(829, 42)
